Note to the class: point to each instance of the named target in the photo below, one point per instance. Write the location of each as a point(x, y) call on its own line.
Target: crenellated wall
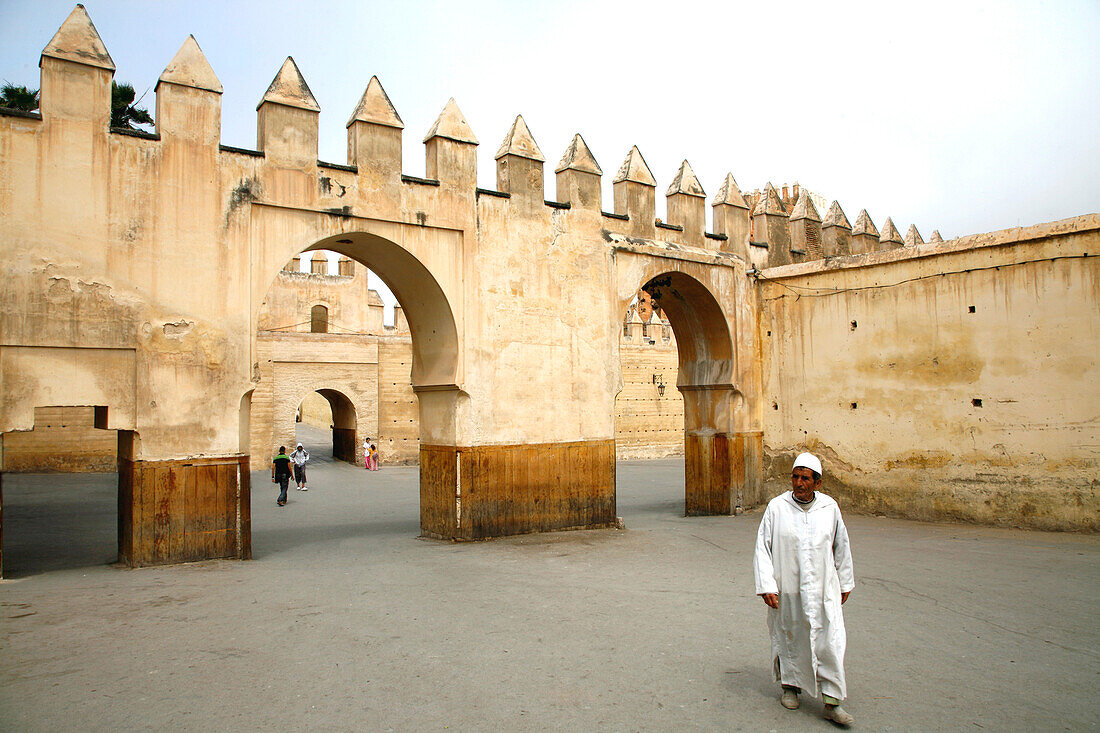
point(514, 302)
point(787, 227)
point(957, 380)
point(104, 306)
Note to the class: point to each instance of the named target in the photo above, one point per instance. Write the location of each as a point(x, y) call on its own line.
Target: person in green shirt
point(280, 473)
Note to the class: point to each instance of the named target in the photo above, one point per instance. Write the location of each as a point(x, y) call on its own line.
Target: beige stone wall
point(540, 372)
point(514, 305)
point(64, 439)
point(951, 381)
point(349, 359)
point(104, 303)
point(352, 306)
point(398, 438)
point(649, 410)
point(649, 424)
point(316, 411)
point(294, 366)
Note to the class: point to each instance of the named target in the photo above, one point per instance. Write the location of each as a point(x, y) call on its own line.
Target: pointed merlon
point(189, 68)
point(634, 169)
point(520, 142)
point(289, 88)
point(936, 236)
point(769, 203)
point(804, 208)
point(578, 158)
point(730, 194)
point(864, 225)
point(890, 233)
point(686, 183)
point(913, 237)
point(836, 217)
point(78, 41)
point(452, 125)
point(375, 107)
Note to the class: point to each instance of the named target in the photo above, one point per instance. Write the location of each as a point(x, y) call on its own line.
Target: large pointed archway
point(705, 379)
point(719, 458)
point(435, 368)
point(426, 306)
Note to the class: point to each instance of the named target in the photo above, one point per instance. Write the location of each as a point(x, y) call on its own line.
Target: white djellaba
point(804, 556)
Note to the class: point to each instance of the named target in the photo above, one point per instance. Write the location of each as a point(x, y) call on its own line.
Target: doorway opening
point(681, 308)
point(325, 424)
point(372, 371)
point(649, 410)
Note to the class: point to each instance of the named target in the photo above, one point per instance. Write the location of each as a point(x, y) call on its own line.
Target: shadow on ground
point(345, 620)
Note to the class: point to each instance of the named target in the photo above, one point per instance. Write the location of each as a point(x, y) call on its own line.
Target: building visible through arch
point(367, 361)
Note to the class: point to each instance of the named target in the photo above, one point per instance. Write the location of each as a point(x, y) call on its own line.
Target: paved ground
point(346, 621)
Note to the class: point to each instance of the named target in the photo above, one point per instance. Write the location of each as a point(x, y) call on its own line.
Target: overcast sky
point(959, 116)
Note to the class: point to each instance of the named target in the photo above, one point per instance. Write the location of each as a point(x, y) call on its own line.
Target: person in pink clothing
point(373, 457)
point(366, 453)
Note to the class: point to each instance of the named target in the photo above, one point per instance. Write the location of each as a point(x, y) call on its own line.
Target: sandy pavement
point(345, 620)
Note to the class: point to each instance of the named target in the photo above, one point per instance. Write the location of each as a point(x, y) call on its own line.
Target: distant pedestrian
point(803, 569)
point(299, 458)
point(373, 457)
point(366, 453)
point(280, 473)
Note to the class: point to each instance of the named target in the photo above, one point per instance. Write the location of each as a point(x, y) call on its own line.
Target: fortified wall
point(326, 357)
point(98, 224)
point(514, 303)
point(952, 380)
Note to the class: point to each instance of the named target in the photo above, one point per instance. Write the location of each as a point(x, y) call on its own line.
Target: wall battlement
point(767, 228)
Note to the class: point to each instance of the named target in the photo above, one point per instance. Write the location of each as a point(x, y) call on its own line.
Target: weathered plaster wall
point(95, 310)
point(352, 306)
point(398, 438)
point(64, 439)
point(878, 362)
point(537, 319)
point(649, 421)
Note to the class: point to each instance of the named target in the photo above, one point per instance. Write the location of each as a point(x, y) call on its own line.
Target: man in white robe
point(803, 568)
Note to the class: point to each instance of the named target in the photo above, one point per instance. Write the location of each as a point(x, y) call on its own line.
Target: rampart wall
point(64, 439)
point(957, 380)
point(514, 300)
point(649, 410)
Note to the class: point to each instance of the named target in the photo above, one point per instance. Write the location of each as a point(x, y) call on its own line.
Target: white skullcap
point(808, 460)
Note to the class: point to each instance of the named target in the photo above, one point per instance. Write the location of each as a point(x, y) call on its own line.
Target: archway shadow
point(275, 541)
point(59, 522)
